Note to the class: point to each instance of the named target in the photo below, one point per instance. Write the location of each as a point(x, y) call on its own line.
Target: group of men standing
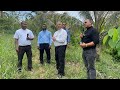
point(60, 39)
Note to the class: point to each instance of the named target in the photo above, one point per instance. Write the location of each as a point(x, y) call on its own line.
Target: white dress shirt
point(21, 35)
point(61, 37)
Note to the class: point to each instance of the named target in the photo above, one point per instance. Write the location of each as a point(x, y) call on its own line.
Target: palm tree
point(1, 14)
point(98, 17)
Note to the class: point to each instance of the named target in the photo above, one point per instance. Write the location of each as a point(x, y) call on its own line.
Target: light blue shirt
point(68, 35)
point(45, 37)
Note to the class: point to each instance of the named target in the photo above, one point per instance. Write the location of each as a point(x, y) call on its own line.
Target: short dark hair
point(23, 22)
point(91, 21)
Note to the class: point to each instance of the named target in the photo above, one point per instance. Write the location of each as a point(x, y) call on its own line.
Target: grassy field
point(74, 69)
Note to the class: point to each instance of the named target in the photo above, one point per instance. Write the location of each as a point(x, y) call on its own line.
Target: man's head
point(59, 25)
point(23, 25)
point(44, 26)
point(88, 23)
point(64, 25)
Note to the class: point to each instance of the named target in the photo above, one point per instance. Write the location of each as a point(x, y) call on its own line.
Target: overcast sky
point(71, 13)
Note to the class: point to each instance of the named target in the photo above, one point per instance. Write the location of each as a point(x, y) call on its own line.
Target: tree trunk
point(1, 14)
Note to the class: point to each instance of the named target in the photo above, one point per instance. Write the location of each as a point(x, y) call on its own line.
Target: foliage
point(73, 24)
point(112, 39)
point(8, 24)
point(74, 68)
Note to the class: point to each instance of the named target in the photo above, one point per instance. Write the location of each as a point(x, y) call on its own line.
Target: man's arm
point(31, 36)
point(16, 45)
point(68, 36)
point(50, 43)
point(84, 45)
point(38, 41)
point(95, 40)
point(63, 38)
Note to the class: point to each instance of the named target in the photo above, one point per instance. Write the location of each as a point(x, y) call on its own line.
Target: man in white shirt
point(23, 39)
point(60, 42)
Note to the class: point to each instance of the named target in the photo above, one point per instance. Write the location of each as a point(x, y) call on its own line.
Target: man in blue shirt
point(44, 43)
point(68, 33)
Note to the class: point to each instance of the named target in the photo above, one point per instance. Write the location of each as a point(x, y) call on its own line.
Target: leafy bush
point(8, 25)
point(112, 39)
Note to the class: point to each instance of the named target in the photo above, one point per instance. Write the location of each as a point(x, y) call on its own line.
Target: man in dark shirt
point(89, 41)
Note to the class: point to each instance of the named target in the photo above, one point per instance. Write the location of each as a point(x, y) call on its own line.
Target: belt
point(25, 46)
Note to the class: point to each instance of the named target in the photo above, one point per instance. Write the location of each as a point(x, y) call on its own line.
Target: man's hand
point(81, 35)
point(49, 47)
point(53, 38)
point(83, 45)
point(29, 38)
point(17, 49)
point(38, 47)
point(68, 45)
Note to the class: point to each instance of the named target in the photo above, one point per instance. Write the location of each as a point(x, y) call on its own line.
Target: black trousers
point(89, 61)
point(45, 47)
point(28, 51)
point(60, 59)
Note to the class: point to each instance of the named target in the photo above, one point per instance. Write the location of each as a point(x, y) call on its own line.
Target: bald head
point(59, 25)
point(88, 23)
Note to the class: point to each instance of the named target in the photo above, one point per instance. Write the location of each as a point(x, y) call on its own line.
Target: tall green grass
point(74, 68)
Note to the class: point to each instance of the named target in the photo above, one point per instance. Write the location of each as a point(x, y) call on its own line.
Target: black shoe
point(19, 69)
point(41, 63)
point(63, 74)
point(29, 69)
point(48, 62)
point(59, 76)
point(57, 68)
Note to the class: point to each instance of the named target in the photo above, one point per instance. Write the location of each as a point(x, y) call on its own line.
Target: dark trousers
point(47, 50)
point(22, 50)
point(60, 59)
point(89, 61)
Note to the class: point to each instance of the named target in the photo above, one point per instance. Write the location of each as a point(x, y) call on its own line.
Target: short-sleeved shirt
point(91, 35)
point(21, 35)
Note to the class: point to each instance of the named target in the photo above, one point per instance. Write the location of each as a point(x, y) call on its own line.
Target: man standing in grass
point(23, 39)
point(44, 43)
point(60, 42)
point(68, 32)
point(89, 41)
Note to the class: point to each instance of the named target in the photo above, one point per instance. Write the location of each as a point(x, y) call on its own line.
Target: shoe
point(29, 69)
point(59, 76)
point(63, 74)
point(41, 63)
point(48, 62)
point(19, 69)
